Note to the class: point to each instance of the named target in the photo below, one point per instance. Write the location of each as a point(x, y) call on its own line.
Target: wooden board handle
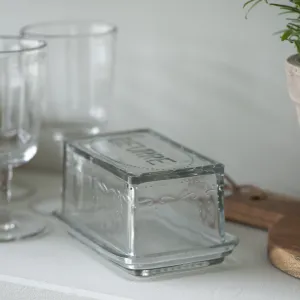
point(279, 214)
point(252, 206)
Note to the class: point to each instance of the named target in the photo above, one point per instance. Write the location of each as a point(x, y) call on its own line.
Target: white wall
point(199, 72)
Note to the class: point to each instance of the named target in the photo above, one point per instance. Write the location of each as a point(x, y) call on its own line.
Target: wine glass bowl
point(22, 76)
point(81, 57)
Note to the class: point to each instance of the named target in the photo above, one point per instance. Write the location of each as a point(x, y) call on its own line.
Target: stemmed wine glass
point(22, 66)
point(81, 57)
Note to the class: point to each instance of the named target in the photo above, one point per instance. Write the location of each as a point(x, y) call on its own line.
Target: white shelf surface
point(58, 267)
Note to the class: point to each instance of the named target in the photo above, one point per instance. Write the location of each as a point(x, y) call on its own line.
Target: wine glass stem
point(6, 174)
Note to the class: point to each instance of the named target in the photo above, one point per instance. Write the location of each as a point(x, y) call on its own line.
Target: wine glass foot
point(21, 226)
point(20, 191)
point(46, 207)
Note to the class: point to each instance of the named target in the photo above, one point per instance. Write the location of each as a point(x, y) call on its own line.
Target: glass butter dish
point(145, 202)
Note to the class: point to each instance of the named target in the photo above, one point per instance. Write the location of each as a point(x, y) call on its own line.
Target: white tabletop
point(58, 267)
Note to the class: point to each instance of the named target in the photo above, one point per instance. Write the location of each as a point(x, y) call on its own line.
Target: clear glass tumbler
point(81, 57)
point(22, 66)
point(80, 75)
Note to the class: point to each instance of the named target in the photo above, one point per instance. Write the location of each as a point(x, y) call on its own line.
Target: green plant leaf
point(247, 3)
point(294, 20)
point(286, 35)
point(286, 7)
point(297, 44)
point(254, 3)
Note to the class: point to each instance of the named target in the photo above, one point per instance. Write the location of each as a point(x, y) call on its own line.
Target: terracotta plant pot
point(292, 68)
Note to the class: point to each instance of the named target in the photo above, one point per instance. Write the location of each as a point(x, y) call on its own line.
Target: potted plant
point(290, 34)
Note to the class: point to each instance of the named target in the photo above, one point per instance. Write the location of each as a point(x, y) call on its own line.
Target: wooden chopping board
point(278, 214)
